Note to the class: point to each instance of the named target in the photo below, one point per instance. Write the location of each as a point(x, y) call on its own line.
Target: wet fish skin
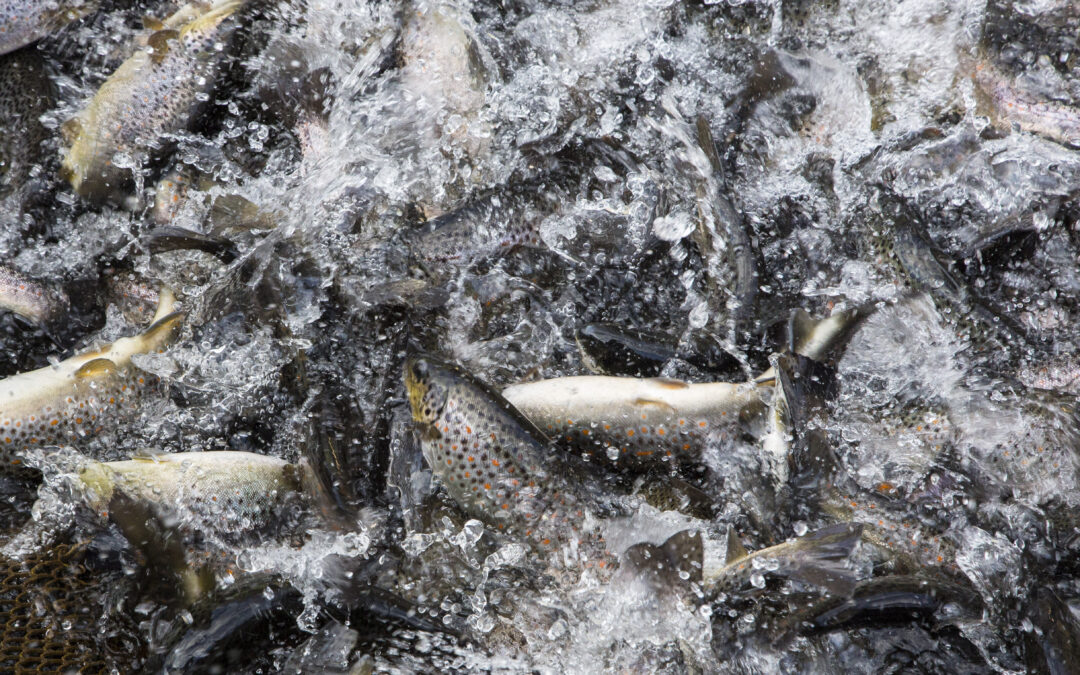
point(444, 74)
point(819, 339)
point(637, 424)
point(1054, 647)
point(886, 600)
point(182, 510)
point(817, 558)
point(25, 21)
point(904, 247)
point(493, 462)
point(486, 226)
point(1008, 103)
point(613, 349)
point(79, 396)
point(742, 256)
point(32, 300)
point(26, 93)
point(233, 491)
point(154, 92)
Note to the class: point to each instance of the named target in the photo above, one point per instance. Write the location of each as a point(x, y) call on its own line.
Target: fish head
point(429, 384)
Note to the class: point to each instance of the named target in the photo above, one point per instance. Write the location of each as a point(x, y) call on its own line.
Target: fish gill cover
point(539, 336)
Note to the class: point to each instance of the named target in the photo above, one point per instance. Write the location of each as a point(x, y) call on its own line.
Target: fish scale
point(494, 463)
point(29, 299)
point(26, 21)
point(155, 92)
point(81, 396)
point(638, 424)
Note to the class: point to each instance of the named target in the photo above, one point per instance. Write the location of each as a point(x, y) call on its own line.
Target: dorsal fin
point(735, 549)
point(100, 367)
point(160, 332)
point(159, 43)
point(800, 327)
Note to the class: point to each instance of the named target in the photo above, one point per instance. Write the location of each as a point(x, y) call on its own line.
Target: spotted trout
point(487, 226)
point(821, 559)
point(26, 93)
point(1007, 102)
point(184, 508)
point(79, 396)
point(155, 92)
point(32, 300)
point(232, 491)
point(495, 464)
point(25, 21)
point(638, 424)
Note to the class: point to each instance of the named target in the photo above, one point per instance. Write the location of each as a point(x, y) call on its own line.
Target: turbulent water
point(479, 182)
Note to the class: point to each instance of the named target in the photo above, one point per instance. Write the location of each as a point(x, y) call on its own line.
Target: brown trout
point(157, 91)
point(26, 21)
point(1006, 102)
point(495, 464)
point(638, 424)
point(820, 559)
point(30, 299)
point(26, 93)
point(185, 510)
point(77, 397)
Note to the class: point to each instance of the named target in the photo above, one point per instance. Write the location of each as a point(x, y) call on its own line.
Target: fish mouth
point(416, 372)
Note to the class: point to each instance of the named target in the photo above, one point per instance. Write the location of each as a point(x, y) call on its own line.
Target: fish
point(32, 300)
point(82, 395)
point(613, 349)
point(776, 442)
point(26, 93)
point(495, 464)
point(157, 91)
point(487, 226)
point(444, 75)
point(821, 340)
point(718, 210)
point(890, 600)
point(1054, 644)
point(183, 508)
point(23, 22)
point(171, 238)
point(637, 424)
point(909, 545)
point(820, 559)
point(1008, 103)
point(901, 245)
point(134, 295)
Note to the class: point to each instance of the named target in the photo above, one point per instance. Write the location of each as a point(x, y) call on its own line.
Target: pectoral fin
point(735, 548)
point(95, 369)
point(159, 43)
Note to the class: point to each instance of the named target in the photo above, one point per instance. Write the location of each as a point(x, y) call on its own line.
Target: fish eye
point(420, 368)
